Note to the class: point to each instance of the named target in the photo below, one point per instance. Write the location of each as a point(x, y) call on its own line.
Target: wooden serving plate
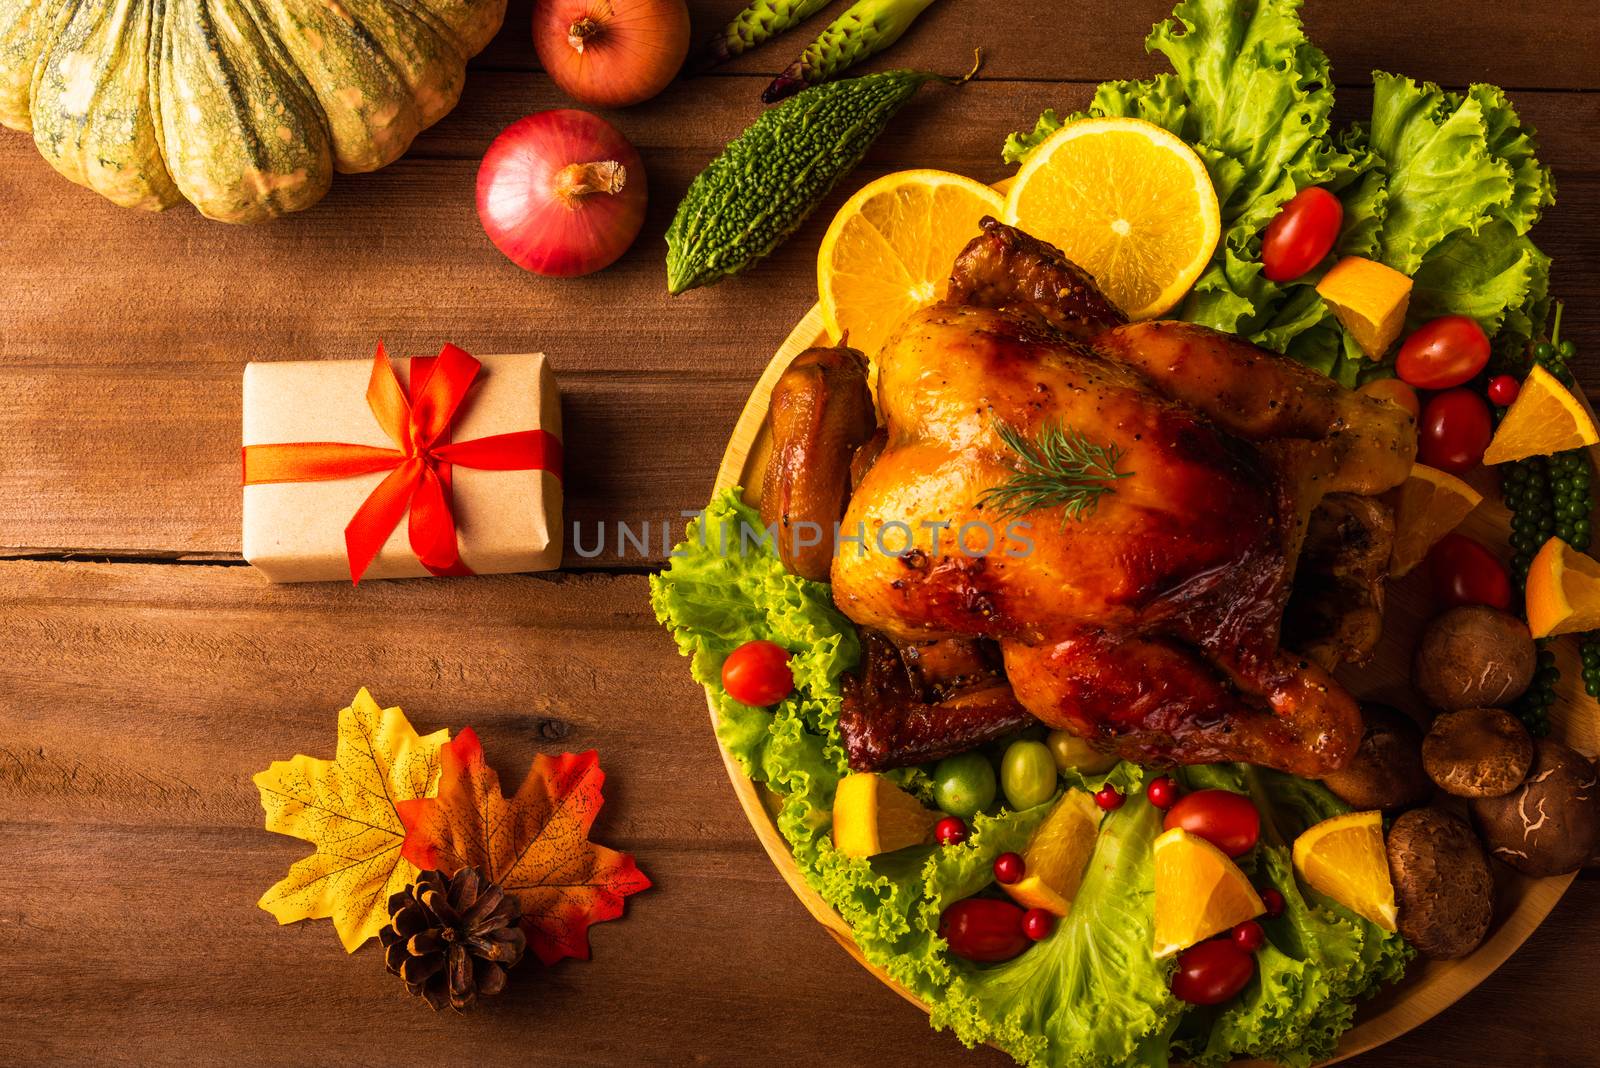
point(1429, 987)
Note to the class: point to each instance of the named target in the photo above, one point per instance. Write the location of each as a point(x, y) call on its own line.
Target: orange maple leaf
point(535, 845)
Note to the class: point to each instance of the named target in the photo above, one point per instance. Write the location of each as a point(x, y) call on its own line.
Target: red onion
point(561, 193)
point(611, 53)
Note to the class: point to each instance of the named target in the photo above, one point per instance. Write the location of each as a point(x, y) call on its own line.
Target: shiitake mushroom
point(1386, 771)
point(1477, 752)
point(1442, 884)
point(1473, 657)
point(1550, 824)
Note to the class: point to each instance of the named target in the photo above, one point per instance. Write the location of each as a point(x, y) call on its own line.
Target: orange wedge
point(1199, 892)
point(1431, 504)
point(1344, 857)
point(872, 815)
point(1544, 419)
point(1563, 591)
point(1057, 854)
point(1125, 200)
point(888, 251)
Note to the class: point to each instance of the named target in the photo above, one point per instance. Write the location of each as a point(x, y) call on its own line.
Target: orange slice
point(1369, 299)
point(1431, 504)
point(888, 251)
point(1344, 857)
point(872, 815)
point(1199, 892)
point(1125, 200)
point(1544, 419)
point(1057, 854)
point(1563, 591)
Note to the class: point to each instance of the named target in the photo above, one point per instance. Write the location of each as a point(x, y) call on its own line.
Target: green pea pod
point(865, 29)
point(769, 178)
point(756, 25)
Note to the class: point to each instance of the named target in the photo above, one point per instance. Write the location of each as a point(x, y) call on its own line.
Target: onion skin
point(611, 53)
point(561, 193)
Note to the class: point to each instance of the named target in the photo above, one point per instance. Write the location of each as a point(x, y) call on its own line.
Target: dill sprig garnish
point(1061, 466)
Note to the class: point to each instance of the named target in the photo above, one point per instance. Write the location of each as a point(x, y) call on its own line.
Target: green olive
point(1076, 754)
point(963, 785)
point(1028, 774)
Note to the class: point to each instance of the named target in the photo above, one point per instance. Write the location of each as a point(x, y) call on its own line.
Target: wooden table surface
point(147, 673)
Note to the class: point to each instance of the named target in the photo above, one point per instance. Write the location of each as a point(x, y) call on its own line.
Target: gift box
point(444, 465)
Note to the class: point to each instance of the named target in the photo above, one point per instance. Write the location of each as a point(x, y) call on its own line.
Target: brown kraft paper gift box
point(505, 520)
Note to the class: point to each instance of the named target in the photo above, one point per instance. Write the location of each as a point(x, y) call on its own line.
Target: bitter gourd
point(866, 28)
point(756, 25)
point(769, 178)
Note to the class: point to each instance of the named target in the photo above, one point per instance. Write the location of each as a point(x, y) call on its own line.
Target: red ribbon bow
point(419, 468)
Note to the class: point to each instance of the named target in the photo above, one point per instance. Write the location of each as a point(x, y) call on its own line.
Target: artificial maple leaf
point(346, 807)
point(535, 845)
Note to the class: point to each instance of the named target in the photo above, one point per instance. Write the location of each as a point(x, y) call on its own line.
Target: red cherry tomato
point(1395, 392)
point(1008, 868)
point(983, 929)
point(1038, 923)
point(1273, 899)
point(1301, 235)
point(1161, 792)
point(1225, 819)
point(1503, 389)
point(1212, 972)
point(1464, 572)
point(757, 674)
point(1249, 936)
point(950, 831)
point(1443, 352)
point(1109, 798)
point(1454, 431)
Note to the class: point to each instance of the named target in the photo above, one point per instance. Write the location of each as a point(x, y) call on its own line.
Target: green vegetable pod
point(866, 28)
point(756, 25)
point(764, 184)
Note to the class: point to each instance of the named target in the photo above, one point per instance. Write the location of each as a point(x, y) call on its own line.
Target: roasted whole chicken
point(1099, 524)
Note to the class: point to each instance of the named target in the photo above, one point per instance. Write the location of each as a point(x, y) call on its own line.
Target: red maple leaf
point(535, 845)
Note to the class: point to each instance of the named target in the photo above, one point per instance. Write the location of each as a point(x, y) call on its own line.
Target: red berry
point(1008, 867)
point(1274, 902)
point(1249, 936)
point(950, 831)
point(1162, 792)
point(1038, 923)
point(1109, 798)
point(1503, 389)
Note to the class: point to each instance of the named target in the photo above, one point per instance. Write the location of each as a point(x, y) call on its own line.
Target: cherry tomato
point(1503, 389)
point(950, 831)
point(1027, 774)
point(1008, 867)
point(1162, 792)
point(964, 784)
point(757, 674)
point(1464, 572)
point(1212, 972)
point(1454, 431)
point(1109, 798)
point(1273, 899)
point(1443, 352)
point(1038, 923)
point(983, 929)
point(1249, 936)
point(1395, 392)
point(1225, 819)
point(1301, 235)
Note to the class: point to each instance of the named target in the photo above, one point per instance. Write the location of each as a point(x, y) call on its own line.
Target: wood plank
point(1513, 45)
point(135, 852)
point(107, 364)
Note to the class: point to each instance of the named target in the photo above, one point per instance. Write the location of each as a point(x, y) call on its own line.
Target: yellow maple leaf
point(346, 808)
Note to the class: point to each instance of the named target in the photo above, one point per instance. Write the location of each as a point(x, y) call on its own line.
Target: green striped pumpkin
point(245, 108)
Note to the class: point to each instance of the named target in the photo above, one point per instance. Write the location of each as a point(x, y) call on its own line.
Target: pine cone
point(452, 939)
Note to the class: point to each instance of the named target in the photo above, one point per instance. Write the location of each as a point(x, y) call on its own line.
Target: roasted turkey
point(1149, 615)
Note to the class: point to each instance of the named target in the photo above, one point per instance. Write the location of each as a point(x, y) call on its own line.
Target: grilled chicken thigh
point(1149, 621)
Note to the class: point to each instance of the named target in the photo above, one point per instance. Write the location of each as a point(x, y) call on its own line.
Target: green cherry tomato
point(963, 785)
point(1028, 774)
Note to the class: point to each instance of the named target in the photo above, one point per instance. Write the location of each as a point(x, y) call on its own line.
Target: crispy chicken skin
point(1150, 624)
